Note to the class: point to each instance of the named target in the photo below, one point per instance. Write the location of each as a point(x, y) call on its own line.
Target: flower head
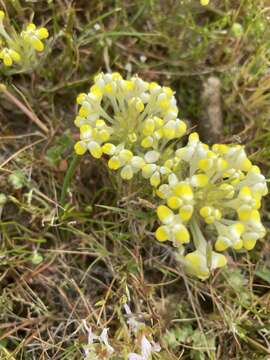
point(34, 35)
point(147, 349)
point(97, 344)
point(20, 48)
point(173, 228)
point(198, 264)
point(204, 2)
point(9, 56)
point(128, 121)
point(209, 197)
point(2, 15)
point(217, 192)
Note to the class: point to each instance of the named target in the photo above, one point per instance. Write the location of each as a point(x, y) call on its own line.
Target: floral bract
point(204, 192)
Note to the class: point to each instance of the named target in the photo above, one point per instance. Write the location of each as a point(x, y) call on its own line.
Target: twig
point(18, 152)
point(211, 124)
point(31, 115)
point(21, 326)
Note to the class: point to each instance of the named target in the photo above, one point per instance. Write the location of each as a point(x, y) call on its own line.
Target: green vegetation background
point(59, 266)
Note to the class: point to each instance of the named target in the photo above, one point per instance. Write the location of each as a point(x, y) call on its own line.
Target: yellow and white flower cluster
point(20, 48)
point(216, 191)
point(211, 193)
point(128, 121)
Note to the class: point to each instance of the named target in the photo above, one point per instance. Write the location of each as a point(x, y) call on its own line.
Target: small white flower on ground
point(147, 349)
point(89, 349)
point(143, 58)
point(97, 27)
point(134, 325)
point(104, 339)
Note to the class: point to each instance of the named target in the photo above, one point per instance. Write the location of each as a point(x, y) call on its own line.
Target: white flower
point(104, 339)
point(193, 152)
point(89, 349)
point(97, 27)
point(133, 324)
point(147, 349)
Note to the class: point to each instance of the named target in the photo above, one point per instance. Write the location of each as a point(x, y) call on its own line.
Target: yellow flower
point(33, 36)
point(9, 55)
point(204, 2)
point(173, 228)
point(204, 192)
point(210, 214)
point(196, 263)
point(2, 15)
point(141, 116)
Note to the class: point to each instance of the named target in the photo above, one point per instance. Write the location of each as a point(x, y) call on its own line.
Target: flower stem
point(198, 238)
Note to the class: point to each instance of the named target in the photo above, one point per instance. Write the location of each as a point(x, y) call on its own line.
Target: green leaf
point(264, 274)
point(58, 151)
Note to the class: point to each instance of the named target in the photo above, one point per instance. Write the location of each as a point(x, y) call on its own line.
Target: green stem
point(5, 35)
point(67, 179)
point(198, 238)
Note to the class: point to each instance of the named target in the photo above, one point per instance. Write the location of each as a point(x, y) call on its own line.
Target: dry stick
point(32, 116)
point(10, 357)
point(196, 314)
point(18, 152)
point(21, 326)
point(28, 339)
point(211, 124)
